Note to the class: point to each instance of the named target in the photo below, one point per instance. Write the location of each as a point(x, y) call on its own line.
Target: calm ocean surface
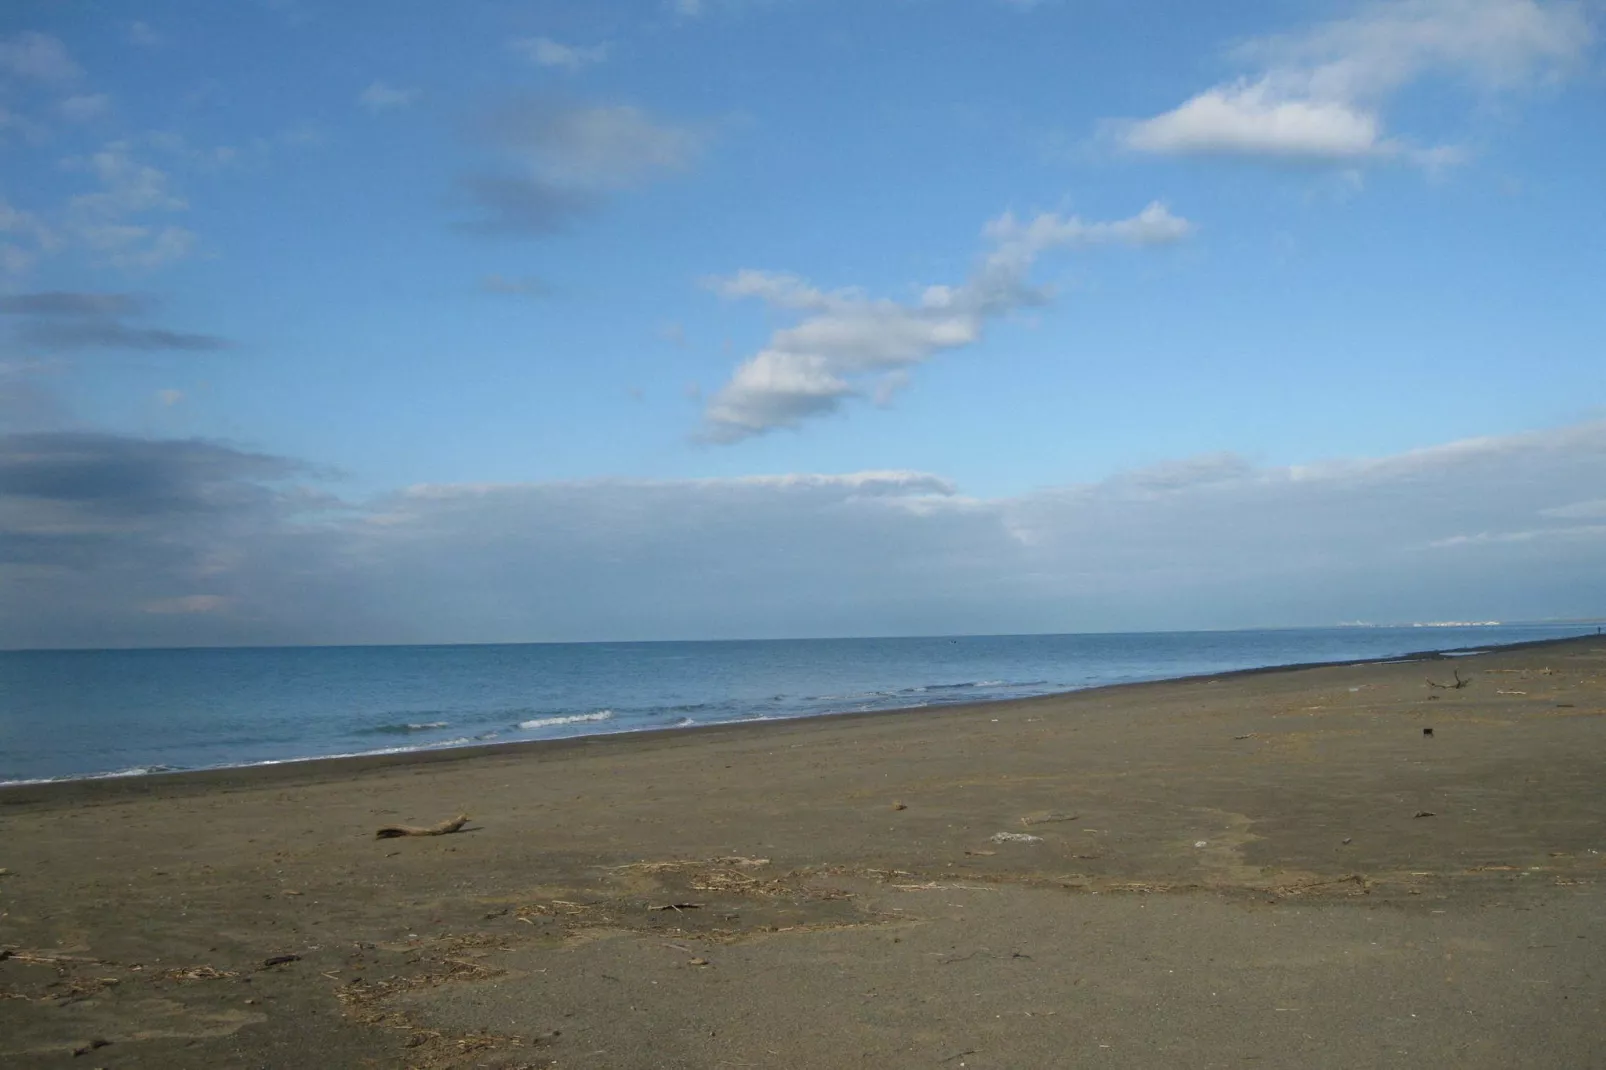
point(127, 712)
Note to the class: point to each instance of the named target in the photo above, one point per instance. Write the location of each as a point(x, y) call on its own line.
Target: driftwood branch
point(1458, 685)
point(441, 829)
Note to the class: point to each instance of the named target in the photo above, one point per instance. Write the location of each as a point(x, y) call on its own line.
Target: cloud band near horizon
point(110, 540)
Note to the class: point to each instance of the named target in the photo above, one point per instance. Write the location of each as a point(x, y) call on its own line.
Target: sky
point(393, 321)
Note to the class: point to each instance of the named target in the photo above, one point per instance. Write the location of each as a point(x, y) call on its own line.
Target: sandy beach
point(1271, 869)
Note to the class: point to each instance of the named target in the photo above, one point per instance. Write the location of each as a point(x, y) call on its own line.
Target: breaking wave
point(576, 718)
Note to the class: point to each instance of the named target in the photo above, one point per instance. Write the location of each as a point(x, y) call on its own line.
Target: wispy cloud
point(61, 336)
point(60, 321)
point(113, 223)
point(1320, 95)
point(380, 96)
point(84, 107)
point(549, 53)
point(143, 35)
point(565, 158)
point(696, 9)
point(24, 237)
point(504, 286)
point(848, 345)
point(37, 57)
point(69, 303)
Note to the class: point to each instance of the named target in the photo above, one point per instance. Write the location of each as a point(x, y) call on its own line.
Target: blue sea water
point(127, 712)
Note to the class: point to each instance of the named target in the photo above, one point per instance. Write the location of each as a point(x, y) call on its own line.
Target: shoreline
point(96, 786)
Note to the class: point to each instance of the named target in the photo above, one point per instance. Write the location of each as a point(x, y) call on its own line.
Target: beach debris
point(1246, 735)
point(279, 960)
point(698, 962)
point(1048, 817)
point(678, 906)
point(442, 829)
point(1502, 691)
point(900, 806)
point(1458, 685)
point(195, 973)
point(1427, 732)
point(1424, 813)
point(93, 1045)
point(1201, 843)
point(1015, 837)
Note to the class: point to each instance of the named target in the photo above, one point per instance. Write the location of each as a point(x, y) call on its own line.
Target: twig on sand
point(442, 829)
point(1458, 685)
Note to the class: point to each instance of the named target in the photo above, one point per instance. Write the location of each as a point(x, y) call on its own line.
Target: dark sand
point(1221, 873)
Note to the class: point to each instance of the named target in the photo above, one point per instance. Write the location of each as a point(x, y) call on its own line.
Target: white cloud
point(1457, 531)
point(549, 53)
point(128, 185)
point(382, 97)
point(110, 222)
point(37, 57)
point(1250, 119)
point(848, 344)
point(1320, 94)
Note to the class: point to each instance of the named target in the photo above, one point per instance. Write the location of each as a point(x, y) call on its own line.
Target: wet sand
point(1265, 869)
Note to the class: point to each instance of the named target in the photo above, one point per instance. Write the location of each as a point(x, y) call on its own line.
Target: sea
point(68, 714)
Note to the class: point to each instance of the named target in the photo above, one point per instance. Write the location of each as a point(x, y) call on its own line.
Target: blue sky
point(280, 278)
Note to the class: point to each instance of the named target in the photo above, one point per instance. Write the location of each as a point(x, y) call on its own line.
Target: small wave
point(945, 687)
point(577, 718)
point(401, 728)
point(137, 770)
point(131, 771)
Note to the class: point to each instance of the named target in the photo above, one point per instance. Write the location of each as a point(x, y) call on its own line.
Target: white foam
point(577, 718)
